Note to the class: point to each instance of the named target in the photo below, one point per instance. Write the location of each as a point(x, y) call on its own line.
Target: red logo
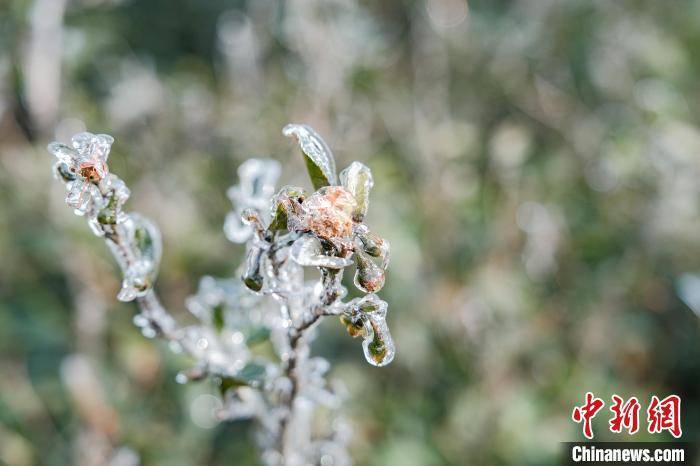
point(662, 415)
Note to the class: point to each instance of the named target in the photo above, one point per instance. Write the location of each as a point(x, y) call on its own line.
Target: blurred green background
point(536, 165)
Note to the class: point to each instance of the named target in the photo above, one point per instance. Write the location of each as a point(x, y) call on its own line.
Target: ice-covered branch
point(271, 303)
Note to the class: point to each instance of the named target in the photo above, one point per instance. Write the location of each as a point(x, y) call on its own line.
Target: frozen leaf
point(357, 178)
point(308, 251)
point(257, 178)
point(318, 156)
point(62, 152)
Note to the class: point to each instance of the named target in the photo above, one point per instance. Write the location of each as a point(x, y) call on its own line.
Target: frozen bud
point(369, 277)
point(357, 179)
point(62, 171)
point(251, 218)
point(328, 212)
point(291, 192)
point(117, 196)
point(88, 156)
point(378, 345)
point(373, 244)
point(379, 351)
point(137, 281)
point(252, 276)
point(83, 166)
point(140, 267)
point(355, 327)
point(285, 203)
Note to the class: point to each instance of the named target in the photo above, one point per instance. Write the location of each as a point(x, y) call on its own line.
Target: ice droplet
point(369, 277)
point(378, 345)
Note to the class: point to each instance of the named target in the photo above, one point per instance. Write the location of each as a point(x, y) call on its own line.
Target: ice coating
point(307, 251)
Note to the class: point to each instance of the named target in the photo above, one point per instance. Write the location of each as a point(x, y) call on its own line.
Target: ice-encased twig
point(272, 303)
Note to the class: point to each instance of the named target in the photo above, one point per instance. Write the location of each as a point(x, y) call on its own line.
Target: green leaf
point(318, 178)
point(317, 155)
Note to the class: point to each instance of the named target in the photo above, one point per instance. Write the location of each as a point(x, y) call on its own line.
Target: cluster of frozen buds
point(98, 195)
point(271, 305)
point(325, 229)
